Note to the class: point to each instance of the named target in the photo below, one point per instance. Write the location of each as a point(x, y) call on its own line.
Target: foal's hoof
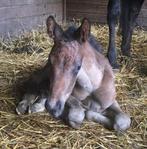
point(74, 125)
point(22, 107)
point(122, 122)
point(76, 117)
point(20, 111)
point(35, 108)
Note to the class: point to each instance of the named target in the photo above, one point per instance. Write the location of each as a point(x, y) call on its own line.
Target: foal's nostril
point(47, 105)
point(59, 105)
point(55, 110)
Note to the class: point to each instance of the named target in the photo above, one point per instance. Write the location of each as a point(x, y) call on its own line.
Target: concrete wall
point(23, 15)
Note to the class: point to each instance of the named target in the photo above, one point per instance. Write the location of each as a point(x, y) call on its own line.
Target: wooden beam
point(64, 11)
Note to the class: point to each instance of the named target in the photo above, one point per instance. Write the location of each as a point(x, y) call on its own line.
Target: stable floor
point(41, 130)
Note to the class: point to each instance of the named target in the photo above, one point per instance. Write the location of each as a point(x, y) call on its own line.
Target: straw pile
point(41, 130)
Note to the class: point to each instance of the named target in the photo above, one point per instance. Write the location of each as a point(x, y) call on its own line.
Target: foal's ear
point(53, 29)
point(84, 30)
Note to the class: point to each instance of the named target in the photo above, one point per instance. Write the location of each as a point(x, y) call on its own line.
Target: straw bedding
point(41, 130)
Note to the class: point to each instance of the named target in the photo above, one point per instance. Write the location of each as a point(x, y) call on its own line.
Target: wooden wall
point(93, 9)
point(22, 15)
point(96, 10)
point(142, 19)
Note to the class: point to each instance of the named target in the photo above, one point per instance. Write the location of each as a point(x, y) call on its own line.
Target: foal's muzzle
point(55, 109)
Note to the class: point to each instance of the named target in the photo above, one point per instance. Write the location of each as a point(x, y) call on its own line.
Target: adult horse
point(126, 11)
point(80, 76)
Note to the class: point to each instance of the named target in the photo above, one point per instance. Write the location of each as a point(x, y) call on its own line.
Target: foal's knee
point(121, 122)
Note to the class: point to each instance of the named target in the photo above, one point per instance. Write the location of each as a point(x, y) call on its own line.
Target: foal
point(80, 79)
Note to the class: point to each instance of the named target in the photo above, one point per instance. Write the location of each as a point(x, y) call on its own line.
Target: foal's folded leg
point(94, 113)
point(98, 118)
point(111, 118)
point(23, 105)
point(38, 106)
point(76, 113)
point(121, 121)
point(105, 95)
point(36, 86)
point(31, 104)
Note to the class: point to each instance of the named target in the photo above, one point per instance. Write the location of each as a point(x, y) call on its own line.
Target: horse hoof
point(113, 63)
point(122, 122)
point(20, 110)
point(115, 71)
point(35, 108)
point(115, 66)
point(22, 107)
point(74, 125)
point(126, 53)
point(76, 117)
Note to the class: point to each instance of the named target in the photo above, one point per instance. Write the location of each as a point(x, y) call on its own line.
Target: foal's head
point(65, 61)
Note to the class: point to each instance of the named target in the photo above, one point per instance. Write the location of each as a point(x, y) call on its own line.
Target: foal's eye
point(78, 68)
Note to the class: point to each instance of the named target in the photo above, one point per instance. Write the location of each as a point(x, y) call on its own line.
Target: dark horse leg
point(130, 10)
point(113, 14)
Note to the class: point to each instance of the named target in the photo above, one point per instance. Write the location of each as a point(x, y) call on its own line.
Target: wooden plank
point(88, 1)
point(143, 13)
point(86, 7)
point(95, 10)
point(144, 5)
point(142, 22)
point(88, 11)
point(92, 17)
point(76, 13)
point(64, 11)
point(29, 10)
point(142, 18)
